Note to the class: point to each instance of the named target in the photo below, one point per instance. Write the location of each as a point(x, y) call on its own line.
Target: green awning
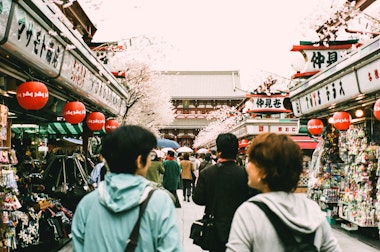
point(53, 128)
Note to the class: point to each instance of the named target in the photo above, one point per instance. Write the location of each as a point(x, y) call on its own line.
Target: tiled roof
point(217, 85)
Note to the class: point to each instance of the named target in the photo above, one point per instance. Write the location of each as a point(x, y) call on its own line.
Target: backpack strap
point(134, 236)
point(283, 231)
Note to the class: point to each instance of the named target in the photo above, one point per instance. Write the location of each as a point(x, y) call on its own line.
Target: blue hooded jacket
point(104, 218)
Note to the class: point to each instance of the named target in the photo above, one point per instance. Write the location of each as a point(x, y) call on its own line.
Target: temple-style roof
point(202, 85)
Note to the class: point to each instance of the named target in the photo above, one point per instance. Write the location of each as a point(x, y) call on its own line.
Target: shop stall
point(51, 81)
point(344, 167)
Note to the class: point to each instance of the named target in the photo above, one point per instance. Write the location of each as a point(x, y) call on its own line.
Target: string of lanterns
point(34, 95)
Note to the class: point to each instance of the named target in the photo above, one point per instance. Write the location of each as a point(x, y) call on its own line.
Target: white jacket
point(251, 230)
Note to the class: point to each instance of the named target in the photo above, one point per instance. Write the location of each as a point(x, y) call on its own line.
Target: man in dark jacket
point(171, 176)
point(227, 182)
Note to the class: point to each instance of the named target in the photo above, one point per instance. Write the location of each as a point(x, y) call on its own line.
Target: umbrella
point(202, 150)
point(167, 149)
point(163, 143)
point(160, 153)
point(184, 149)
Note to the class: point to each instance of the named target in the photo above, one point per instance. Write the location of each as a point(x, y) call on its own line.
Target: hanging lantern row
point(376, 109)
point(342, 120)
point(315, 126)
point(32, 95)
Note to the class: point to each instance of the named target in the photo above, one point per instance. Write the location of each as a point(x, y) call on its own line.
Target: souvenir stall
point(47, 81)
point(344, 167)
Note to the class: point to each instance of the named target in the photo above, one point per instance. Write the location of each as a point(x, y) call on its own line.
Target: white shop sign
point(78, 76)
point(265, 103)
point(30, 41)
point(339, 90)
point(369, 77)
point(4, 15)
point(318, 60)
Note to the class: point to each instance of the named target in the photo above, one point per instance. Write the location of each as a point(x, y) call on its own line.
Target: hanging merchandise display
point(342, 120)
point(32, 95)
point(376, 109)
point(315, 126)
point(74, 112)
point(111, 124)
point(95, 121)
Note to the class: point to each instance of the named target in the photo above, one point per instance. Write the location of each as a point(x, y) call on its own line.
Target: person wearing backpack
point(278, 219)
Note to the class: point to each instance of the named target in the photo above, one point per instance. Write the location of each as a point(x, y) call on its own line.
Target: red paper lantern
point(74, 112)
point(111, 125)
point(243, 143)
point(376, 109)
point(342, 120)
point(95, 121)
point(315, 126)
point(32, 95)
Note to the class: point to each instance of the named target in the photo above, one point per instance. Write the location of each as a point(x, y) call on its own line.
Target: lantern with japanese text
point(95, 121)
point(32, 95)
point(243, 143)
point(376, 109)
point(111, 124)
point(315, 126)
point(342, 120)
point(74, 112)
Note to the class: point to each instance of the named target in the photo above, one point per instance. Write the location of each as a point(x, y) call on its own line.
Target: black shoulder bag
point(203, 231)
point(134, 236)
point(286, 234)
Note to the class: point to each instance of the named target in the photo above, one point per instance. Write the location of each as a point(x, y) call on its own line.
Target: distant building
point(194, 95)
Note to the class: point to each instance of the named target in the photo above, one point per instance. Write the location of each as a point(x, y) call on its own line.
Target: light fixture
point(359, 113)
point(330, 120)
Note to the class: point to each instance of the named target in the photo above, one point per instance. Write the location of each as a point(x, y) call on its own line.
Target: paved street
point(190, 212)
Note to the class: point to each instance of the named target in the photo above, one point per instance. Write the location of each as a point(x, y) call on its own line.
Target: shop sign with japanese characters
point(369, 77)
point(78, 76)
point(265, 103)
point(29, 40)
point(333, 92)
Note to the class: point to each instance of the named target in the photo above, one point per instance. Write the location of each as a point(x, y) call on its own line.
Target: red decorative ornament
point(342, 120)
point(243, 143)
point(74, 112)
point(32, 95)
point(315, 126)
point(111, 125)
point(95, 121)
point(376, 109)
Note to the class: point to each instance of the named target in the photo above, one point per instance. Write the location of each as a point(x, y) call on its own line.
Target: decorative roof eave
point(296, 48)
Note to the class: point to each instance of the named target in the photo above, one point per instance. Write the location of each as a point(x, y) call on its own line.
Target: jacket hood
point(120, 192)
point(295, 209)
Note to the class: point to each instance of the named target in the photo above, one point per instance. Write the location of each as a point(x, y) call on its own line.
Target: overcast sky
point(245, 35)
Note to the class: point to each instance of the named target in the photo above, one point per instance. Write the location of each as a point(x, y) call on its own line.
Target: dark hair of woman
point(121, 147)
point(186, 156)
point(279, 158)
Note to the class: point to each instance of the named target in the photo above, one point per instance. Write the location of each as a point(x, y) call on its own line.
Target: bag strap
point(213, 207)
point(282, 229)
point(134, 236)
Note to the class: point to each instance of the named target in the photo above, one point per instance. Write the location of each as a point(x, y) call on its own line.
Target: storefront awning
point(305, 142)
point(53, 128)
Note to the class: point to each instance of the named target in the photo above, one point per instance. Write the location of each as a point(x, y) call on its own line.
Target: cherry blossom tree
point(221, 120)
point(148, 103)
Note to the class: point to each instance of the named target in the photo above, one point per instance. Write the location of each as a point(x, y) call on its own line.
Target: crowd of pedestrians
point(105, 218)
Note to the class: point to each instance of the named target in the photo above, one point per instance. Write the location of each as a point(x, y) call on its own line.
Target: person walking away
point(98, 172)
point(186, 175)
point(207, 162)
point(194, 158)
point(105, 217)
point(155, 169)
point(227, 183)
point(274, 168)
point(171, 176)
